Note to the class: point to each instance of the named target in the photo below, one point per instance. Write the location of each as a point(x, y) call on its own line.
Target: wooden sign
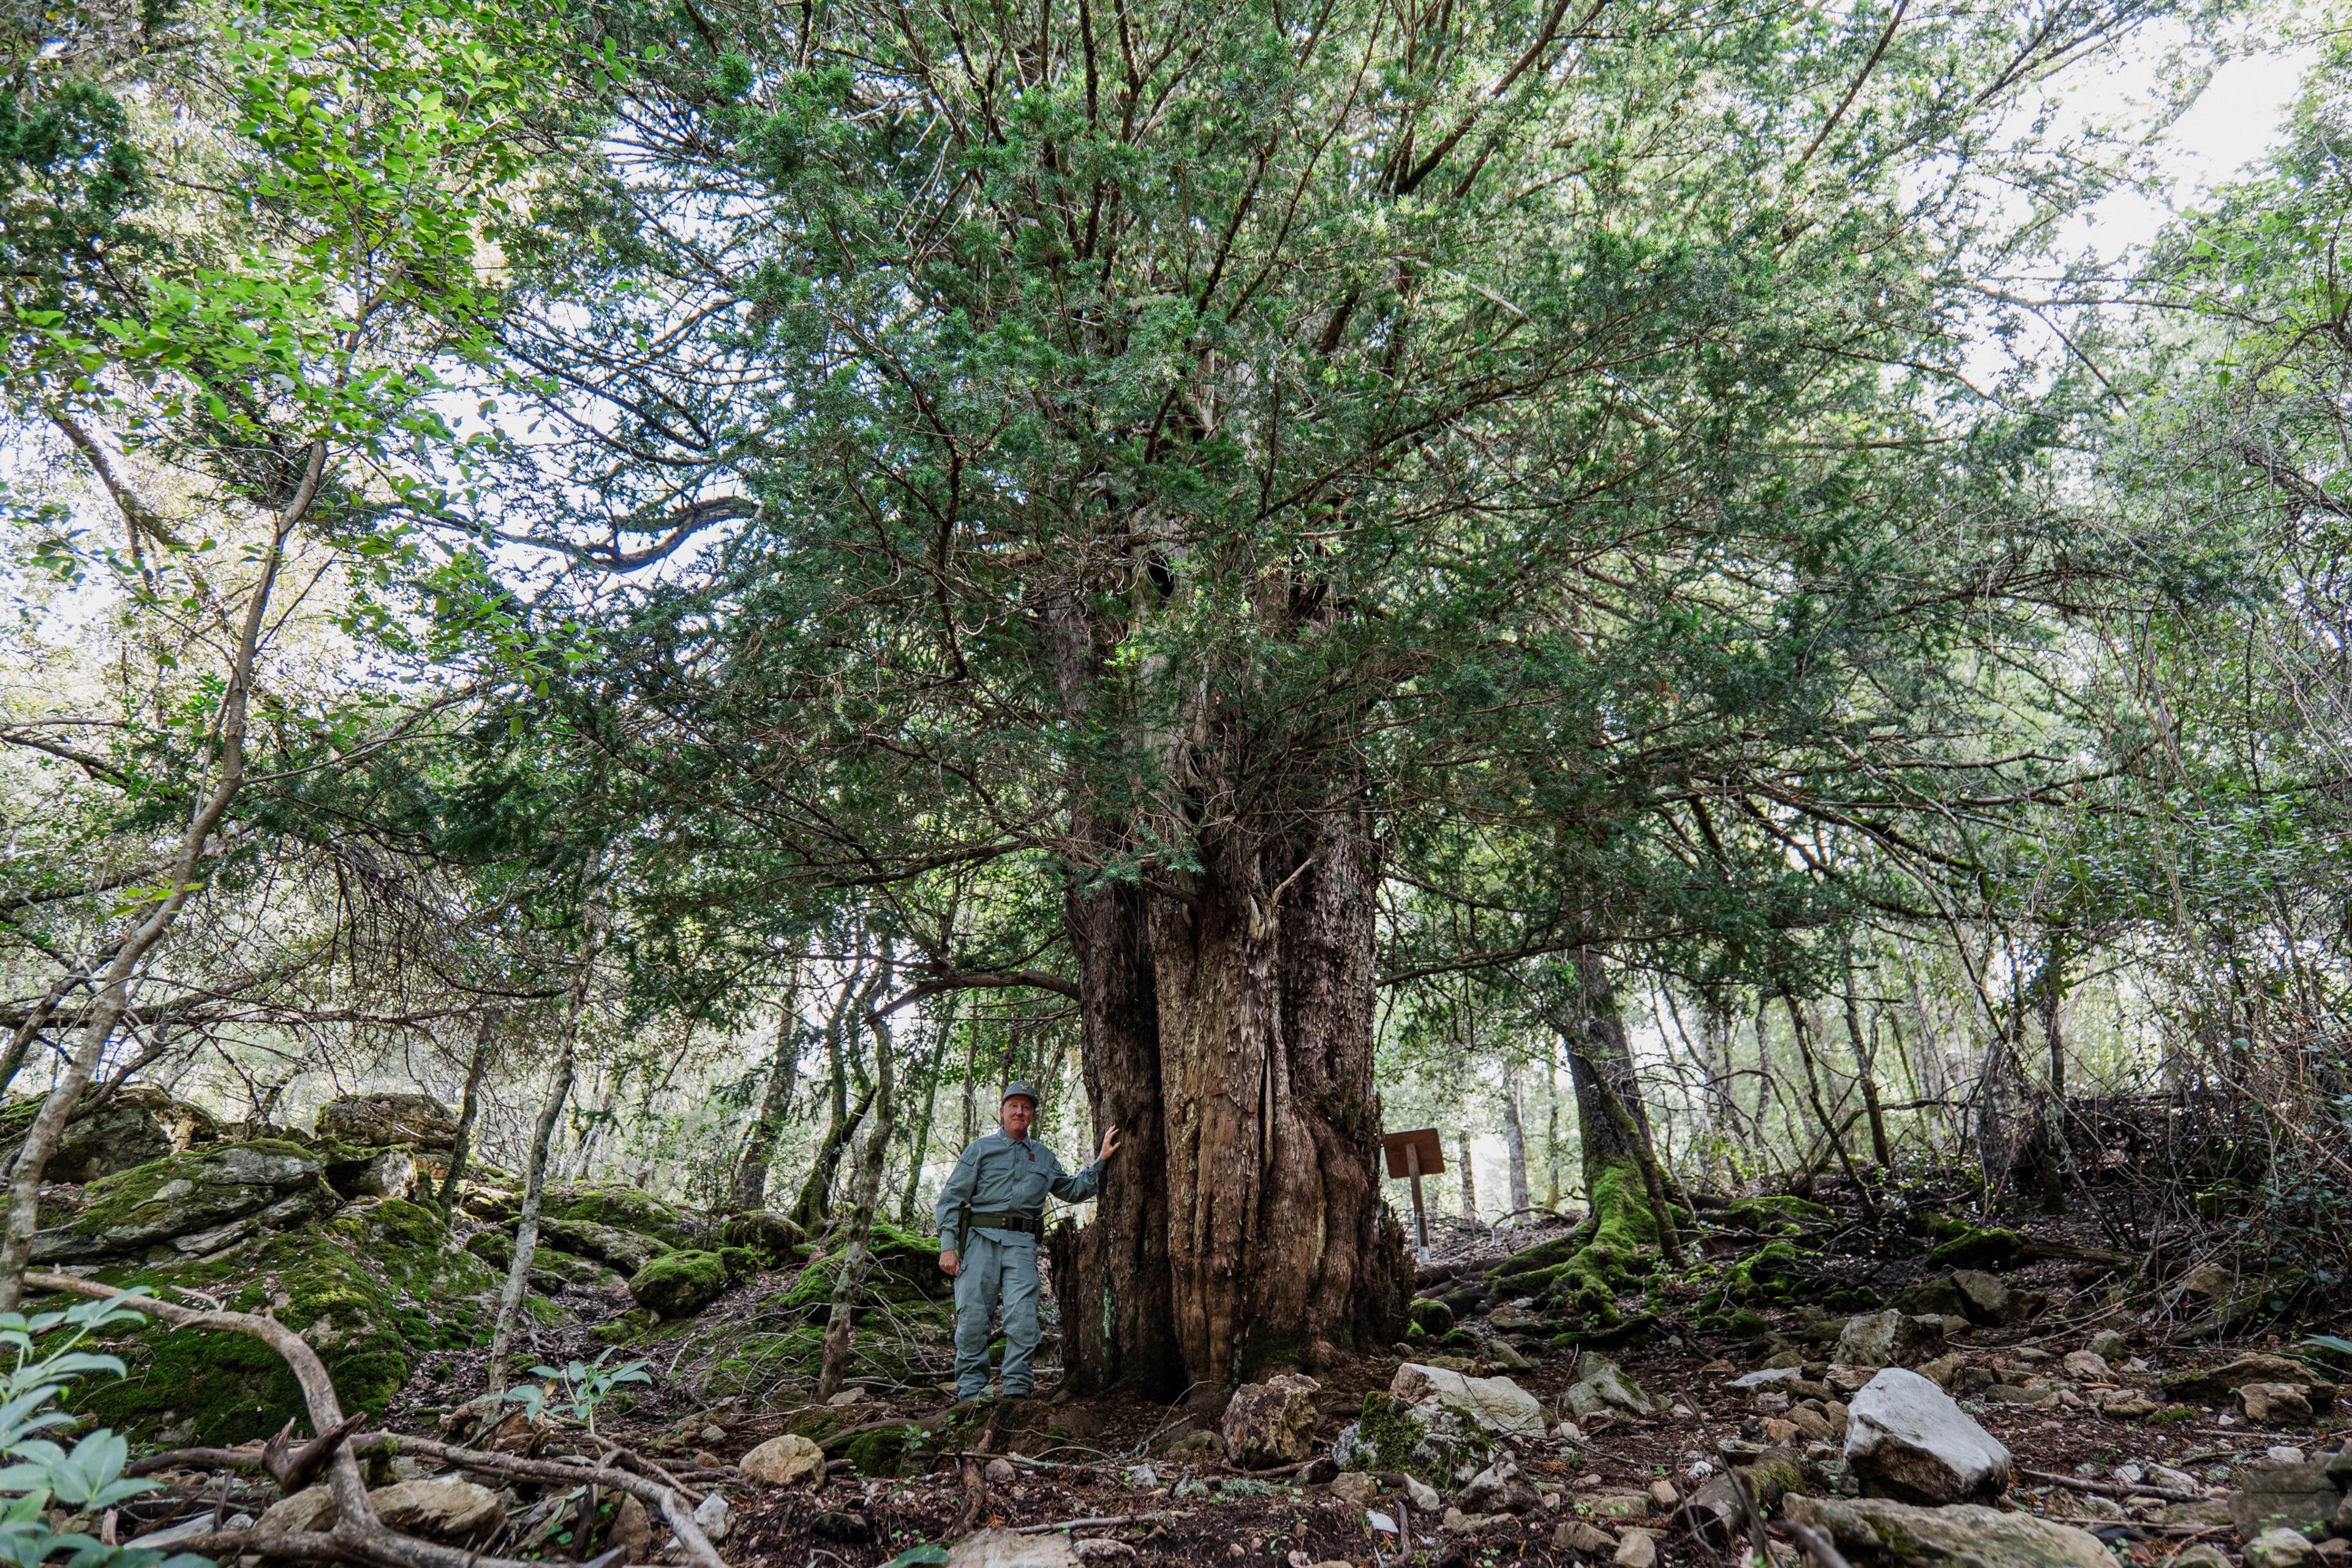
point(1413, 1156)
point(1423, 1142)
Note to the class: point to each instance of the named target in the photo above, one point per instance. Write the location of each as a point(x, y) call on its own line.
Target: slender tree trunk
point(2060, 1153)
point(1865, 1064)
point(814, 1204)
point(866, 1189)
point(469, 1104)
point(1821, 1112)
point(922, 1139)
point(1469, 1183)
point(1551, 1140)
point(543, 1137)
point(110, 994)
point(749, 1190)
point(1622, 1179)
point(1514, 1137)
point(20, 1041)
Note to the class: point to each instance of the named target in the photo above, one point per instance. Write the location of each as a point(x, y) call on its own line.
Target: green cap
point(1017, 1088)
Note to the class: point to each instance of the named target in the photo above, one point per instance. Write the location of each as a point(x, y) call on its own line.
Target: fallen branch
point(358, 1531)
point(2111, 1489)
point(196, 1459)
point(1104, 1522)
point(674, 1504)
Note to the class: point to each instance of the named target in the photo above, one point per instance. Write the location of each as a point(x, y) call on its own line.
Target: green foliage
point(577, 1389)
point(40, 1473)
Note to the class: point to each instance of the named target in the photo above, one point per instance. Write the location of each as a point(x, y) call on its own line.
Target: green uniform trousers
point(998, 1267)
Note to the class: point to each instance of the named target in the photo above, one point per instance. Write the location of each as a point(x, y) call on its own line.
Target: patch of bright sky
point(2232, 123)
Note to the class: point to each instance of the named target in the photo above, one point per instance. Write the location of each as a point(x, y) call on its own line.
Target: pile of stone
point(2266, 1390)
point(2295, 1513)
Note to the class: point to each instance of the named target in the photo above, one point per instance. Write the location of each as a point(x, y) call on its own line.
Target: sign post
point(1413, 1156)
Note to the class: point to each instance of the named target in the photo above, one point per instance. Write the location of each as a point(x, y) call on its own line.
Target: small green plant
point(2333, 1347)
point(577, 1388)
point(919, 1556)
point(40, 1473)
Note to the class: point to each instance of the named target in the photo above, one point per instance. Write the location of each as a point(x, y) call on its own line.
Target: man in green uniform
point(991, 1212)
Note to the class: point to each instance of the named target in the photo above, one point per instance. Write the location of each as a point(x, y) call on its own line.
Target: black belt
point(1027, 1224)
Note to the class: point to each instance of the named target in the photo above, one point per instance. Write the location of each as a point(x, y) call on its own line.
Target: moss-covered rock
point(902, 1270)
point(372, 1290)
point(1420, 1439)
point(1940, 1297)
point(1773, 1272)
point(110, 1133)
point(625, 1250)
point(626, 1208)
point(774, 1237)
point(1973, 1246)
point(551, 1267)
point(679, 1283)
point(1432, 1316)
point(197, 1203)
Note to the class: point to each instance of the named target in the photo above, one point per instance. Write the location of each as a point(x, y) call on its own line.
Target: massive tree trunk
point(1250, 1192)
point(1265, 980)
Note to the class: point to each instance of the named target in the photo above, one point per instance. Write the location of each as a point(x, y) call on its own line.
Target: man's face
point(1017, 1113)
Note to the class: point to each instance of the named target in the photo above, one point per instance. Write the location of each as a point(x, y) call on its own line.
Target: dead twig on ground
point(2111, 1489)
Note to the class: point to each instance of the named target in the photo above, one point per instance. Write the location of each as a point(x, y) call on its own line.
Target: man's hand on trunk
point(1109, 1144)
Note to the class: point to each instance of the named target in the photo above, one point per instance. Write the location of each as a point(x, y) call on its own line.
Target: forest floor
point(1133, 1481)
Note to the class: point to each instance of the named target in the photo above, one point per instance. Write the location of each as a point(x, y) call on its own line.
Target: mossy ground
point(371, 1289)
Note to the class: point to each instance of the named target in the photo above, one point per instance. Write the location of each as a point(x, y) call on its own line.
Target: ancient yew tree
point(1199, 462)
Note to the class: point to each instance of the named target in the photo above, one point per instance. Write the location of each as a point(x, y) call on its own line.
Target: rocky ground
point(1885, 1386)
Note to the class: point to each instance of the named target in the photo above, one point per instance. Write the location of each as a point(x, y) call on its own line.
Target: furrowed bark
point(1112, 1275)
point(1277, 1245)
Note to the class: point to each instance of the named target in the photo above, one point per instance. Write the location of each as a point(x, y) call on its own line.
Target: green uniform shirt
point(1005, 1175)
